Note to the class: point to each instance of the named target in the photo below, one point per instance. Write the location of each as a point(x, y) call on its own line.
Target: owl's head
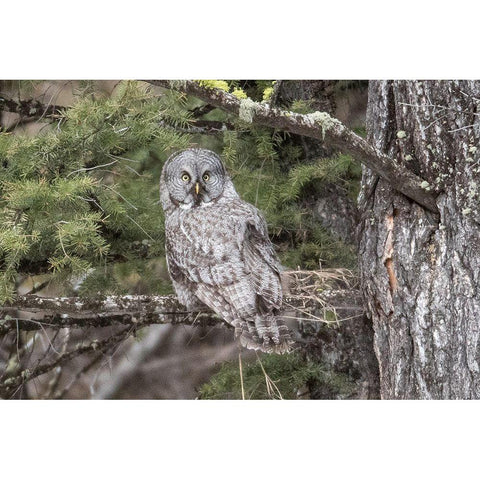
point(192, 178)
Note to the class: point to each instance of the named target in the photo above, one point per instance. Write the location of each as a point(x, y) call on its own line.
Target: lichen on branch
point(316, 125)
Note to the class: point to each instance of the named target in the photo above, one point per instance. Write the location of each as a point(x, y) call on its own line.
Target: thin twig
point(270, 384)
point(10, 383)
point(241, 374)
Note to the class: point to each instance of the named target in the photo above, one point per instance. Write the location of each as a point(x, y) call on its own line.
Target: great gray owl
point(218, 250)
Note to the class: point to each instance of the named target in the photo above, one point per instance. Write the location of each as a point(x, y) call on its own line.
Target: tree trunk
point(420, 271)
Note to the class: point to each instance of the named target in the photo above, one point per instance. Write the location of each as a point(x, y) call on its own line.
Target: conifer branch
point(202, 127)
point(29, 108)
point(318, 125)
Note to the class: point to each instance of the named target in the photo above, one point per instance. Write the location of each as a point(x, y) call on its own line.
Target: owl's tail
point(265, 333)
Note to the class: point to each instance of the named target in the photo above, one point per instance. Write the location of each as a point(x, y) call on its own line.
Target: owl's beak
point(197, 188)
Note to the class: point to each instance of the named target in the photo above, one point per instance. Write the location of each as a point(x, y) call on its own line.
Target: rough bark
point(346, 347)
point(320, 95)
point(420, 272)
point(337, 213)
point(319, 125)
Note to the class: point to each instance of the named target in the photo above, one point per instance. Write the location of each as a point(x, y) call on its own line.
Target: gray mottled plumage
point(218, 250)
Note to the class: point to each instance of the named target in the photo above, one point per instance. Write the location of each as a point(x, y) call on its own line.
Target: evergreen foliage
point(292, 377)
point(79, 200)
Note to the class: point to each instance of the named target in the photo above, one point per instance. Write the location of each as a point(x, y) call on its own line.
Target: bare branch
point(198, 112)
point(30, 108)
point(318, 125)
point(11, 383)
point(328, 296)
point(305, 291)
point(202, 127)
point(31, 313)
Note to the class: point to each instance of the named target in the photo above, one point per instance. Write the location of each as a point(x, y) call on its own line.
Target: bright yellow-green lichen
point(267, 94)
point(219, 84)
point(239, 93)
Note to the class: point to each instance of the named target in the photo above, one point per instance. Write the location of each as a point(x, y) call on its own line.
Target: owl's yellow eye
point(186, 177)
point(206, 177)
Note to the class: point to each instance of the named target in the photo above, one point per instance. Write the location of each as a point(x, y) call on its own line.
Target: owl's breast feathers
point(219, 245)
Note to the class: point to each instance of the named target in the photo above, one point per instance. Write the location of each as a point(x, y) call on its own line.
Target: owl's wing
point(262, 262)
point(248, 274)
point(184, 288)
point(244, 288)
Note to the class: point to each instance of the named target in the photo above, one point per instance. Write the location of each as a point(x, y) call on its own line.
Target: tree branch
point(202, 127)
point(198, 112)
point(312, 298)
point(29, 108)
point(317, 125)
point(30, 313)
point(11, 383)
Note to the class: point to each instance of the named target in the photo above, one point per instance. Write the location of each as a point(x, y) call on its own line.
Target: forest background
point(81, 163)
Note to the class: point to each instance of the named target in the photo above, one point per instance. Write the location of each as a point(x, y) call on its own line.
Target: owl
point(218, 251)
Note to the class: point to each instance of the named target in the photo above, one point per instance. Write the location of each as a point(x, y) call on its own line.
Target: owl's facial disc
point(195, 177)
